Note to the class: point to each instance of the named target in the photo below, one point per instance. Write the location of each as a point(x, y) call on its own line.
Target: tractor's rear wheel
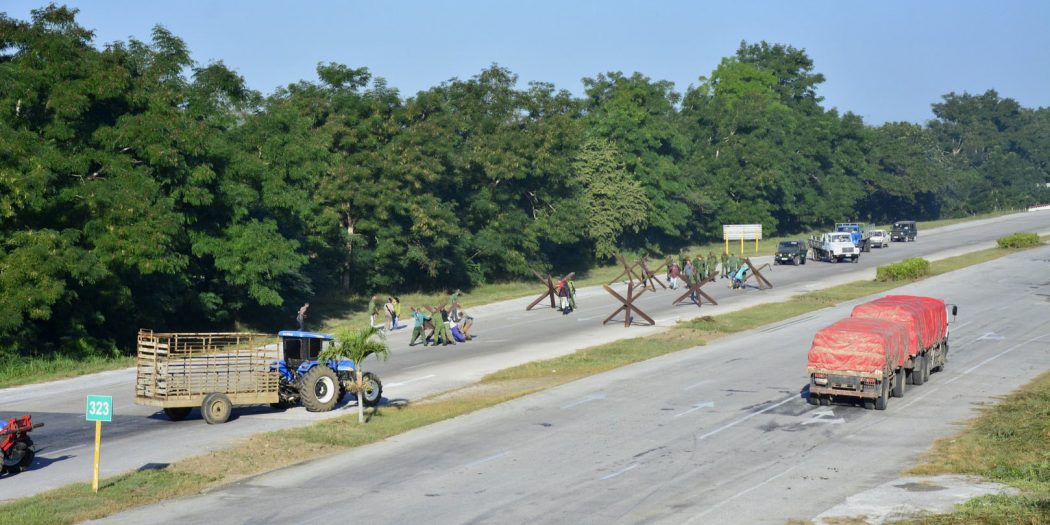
point(373, 391)
point(177, 413)
point(216, 408)
point(320, 389)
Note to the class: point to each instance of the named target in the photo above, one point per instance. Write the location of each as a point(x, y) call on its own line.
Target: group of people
point(448, 326)
point(699, 268)
point(391, 312)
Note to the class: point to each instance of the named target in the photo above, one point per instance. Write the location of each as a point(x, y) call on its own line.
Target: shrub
point(906, 270)
point(1019, 240)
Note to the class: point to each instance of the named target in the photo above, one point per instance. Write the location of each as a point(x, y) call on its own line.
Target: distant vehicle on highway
point(879, 239)
point(793, 252)
point(904, 231)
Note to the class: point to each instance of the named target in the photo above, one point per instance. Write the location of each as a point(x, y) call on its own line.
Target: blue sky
point(884, 60)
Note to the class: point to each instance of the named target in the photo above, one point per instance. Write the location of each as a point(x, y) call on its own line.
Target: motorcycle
point(16, 447)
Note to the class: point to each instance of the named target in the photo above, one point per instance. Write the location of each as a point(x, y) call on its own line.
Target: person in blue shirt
point(739, 276)
point(417, 331)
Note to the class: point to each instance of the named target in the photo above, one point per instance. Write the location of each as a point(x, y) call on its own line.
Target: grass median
point(273, 450)
point(1008, 442)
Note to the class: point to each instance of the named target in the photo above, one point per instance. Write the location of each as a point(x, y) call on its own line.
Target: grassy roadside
point(1008, 442)
point(273, 450)
point(338, 313)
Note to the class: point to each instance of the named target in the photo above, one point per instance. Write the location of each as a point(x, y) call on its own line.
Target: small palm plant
point(357, 345)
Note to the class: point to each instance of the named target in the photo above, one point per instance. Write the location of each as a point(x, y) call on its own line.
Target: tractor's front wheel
point(319, 389)
point(373, 389)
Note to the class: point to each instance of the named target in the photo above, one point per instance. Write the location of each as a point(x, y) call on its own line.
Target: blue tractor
point(318, 385)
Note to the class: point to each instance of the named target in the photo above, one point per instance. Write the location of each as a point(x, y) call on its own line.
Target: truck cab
point(857, 234)
point(904, 231)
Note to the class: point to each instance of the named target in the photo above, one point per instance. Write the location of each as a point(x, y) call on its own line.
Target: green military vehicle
point(793, 252)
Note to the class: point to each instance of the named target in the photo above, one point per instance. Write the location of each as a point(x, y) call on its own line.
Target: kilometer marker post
point(99, 409)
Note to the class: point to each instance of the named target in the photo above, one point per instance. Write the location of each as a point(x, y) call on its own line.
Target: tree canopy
point(141, 189)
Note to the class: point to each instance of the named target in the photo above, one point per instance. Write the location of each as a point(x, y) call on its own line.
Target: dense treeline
point(138, 188)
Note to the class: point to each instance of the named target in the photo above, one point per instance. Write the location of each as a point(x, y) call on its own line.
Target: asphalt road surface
point(716, 434)
point(507, 335)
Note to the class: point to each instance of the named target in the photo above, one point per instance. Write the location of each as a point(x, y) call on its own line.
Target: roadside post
point(99, 409)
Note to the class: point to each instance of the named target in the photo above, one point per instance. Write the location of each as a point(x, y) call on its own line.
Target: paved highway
point(507, 334)
point(715, 434)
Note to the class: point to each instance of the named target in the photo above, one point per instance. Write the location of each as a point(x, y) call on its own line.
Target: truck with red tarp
point(927, 321)
point(858, 358)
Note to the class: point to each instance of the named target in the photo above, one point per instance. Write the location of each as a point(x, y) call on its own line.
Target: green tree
point(358, 345)
point(613, 201)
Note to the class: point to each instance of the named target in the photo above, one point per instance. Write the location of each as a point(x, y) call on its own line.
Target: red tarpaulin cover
point(856, 346)
point(935, 310)
point(909, 314)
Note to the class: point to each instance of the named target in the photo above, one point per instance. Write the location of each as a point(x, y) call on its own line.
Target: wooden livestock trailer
point(213, 371)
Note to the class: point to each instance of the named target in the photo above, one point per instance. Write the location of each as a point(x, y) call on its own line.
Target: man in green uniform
point(725, 265)
point(734, 264)
point(701, 268)
point(373, 310)
point(712, 264)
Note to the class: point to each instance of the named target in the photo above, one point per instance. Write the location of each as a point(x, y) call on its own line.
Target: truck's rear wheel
point(883, 399)
point(177, 413)
point(824, 400)
point(898, 383)
point(917, 375)
point(216, 408)
point(812, 399)
point(373, 391)
point(320, 389)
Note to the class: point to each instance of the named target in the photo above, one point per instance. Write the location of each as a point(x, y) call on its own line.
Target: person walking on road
point(725, 265)
point(397, 313)
point(373, 310)
point(300, 317)
point(388, 314)
point(419, 319)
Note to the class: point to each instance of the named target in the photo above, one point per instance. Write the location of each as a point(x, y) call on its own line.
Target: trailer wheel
point(177, 413)
point(373, 391)
point(898, 383)
point(320, 389)
point(216, 408)
point(917, 375)
point(882, 400)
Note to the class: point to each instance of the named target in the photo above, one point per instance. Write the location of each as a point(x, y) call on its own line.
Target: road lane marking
point(694, 385)
point(407, 381)
point(991, 336)
point(704, 404)
point(971, 369)
point(593, 397)
point(487, 459)
point(419, 365)
point(617, 473)
point(59, 451)
point(818, 417)
point(738, 494)
point(745, 418)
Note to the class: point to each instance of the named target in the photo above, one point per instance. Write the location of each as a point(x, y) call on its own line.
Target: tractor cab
point(298, 347)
